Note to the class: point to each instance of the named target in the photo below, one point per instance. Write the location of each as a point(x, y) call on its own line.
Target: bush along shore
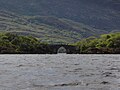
point(105, 44)
point(15, 44)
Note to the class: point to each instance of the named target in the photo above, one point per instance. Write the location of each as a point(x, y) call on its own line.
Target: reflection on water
point(59, 72)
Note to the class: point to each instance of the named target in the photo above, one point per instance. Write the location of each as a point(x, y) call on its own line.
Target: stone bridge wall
point(69, 49)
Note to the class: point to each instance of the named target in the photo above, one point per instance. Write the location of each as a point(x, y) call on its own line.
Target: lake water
point(60, 72)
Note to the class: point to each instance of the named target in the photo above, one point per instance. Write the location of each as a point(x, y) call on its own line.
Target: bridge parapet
point(70, 49)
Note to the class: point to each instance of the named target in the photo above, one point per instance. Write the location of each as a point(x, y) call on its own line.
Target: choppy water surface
point(60, 72)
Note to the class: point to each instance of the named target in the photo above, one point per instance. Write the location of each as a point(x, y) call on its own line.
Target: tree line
point(15, 44)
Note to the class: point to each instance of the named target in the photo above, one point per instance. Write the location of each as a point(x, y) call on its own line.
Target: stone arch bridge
point(69, 49)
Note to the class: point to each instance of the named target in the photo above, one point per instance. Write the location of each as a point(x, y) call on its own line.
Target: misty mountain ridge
point(60, 20)
point(101, 14)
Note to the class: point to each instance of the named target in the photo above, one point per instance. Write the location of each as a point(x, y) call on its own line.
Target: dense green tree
point(12, 43)
point(107, 43)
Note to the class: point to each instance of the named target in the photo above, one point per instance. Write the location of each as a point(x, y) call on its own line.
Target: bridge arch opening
point(62, 50)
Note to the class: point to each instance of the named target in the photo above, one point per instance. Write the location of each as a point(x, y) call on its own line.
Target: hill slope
point(101, 14)
point(46, 28)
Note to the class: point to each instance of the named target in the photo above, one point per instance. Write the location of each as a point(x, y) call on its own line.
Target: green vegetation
point(52, 30)
point(11, 43)
point(107, 43)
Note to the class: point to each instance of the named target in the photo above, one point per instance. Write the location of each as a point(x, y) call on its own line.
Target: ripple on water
point(59, 72)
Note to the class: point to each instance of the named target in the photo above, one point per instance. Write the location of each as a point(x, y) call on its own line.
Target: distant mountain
point(46, 28)
point(100, 14)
